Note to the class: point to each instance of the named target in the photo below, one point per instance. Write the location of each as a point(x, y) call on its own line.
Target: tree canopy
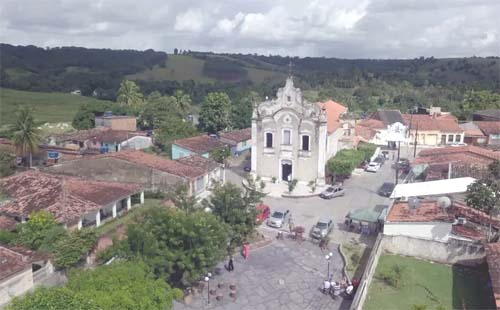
point(121, 285)
point(25, 134)
point(179, 246)
point(215, 112)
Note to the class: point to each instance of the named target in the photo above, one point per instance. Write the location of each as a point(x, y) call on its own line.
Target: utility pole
point(415, 146)
point(397, 162)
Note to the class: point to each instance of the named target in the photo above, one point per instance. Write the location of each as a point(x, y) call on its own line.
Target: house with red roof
point(336, 129)
point(433, 130)
point(74, 202)
point(482, 133)
point(155, 173)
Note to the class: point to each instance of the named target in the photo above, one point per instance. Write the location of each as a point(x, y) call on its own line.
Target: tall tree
point(7, 162)
point(183, 102)
point(182, 199)
point(180, 246)
point(236, 208)
point(129, 94)
point(241, 115)
point(173, 127)
point(484, 194)
point(26, 136)
point(215, 112)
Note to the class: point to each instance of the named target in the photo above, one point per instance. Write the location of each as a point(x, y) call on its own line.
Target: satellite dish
point(444, 202)
point(413, 203)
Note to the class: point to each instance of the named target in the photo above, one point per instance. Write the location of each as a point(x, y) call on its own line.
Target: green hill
point(207, 69)
point(49, 107)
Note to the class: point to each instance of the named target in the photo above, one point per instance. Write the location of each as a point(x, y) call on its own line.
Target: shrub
point(291, 185)
point(394, 276)
point(367, 149)
point(6, 236)
point(69, 251)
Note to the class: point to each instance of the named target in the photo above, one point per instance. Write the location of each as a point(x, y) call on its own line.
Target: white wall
point(137, 143)
point(437, 231)
point(332, 146)
point(16, 285)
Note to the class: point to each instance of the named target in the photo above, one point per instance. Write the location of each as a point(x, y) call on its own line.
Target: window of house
point(450, 138)
point(305, 143)
point(287, 137)
point(269, 139)
point(457, 138)
point(288, 98)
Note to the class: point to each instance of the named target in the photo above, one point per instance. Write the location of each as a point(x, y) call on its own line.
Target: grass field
point(431, 286)
point(184, 67)
point(49, 107)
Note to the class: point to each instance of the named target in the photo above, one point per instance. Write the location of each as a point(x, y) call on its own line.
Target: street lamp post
point(327, 257)
point(207, 279)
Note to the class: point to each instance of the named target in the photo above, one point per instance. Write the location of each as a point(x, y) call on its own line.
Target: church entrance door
point(286, 170)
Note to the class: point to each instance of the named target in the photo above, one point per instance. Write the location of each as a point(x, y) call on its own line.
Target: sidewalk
point(281, 190)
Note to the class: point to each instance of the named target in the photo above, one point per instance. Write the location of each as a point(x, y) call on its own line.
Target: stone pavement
point(283, 275)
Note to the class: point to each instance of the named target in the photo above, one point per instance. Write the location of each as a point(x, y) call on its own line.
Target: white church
point(293, 138)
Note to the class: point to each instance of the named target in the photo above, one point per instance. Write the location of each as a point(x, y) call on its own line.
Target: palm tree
point(129, 94)
point(183, 102)
point(25, 134)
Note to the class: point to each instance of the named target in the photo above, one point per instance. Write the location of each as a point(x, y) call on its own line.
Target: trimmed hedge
point(347, 160)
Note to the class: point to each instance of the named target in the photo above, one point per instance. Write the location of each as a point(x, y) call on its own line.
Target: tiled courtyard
point(282, 275)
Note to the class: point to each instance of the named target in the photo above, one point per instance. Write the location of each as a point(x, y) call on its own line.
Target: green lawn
point(49, 107)
point(436, 286)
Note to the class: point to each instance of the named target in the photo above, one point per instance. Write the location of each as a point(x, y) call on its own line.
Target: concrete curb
point(300, 196)
point(344, 259)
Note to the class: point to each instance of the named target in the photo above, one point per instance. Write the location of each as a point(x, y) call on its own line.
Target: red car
point(263, 212)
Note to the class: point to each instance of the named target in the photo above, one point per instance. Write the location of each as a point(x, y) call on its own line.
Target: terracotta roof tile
point(471, 130)
point(372, 123)
point(333, 112)
point(99, 134)
point(157, 162)
point(237, 135)
point(67, 198)
point(426, 122)
point(469, 153)
point(489, 128)
point(198, 161)
point(7, 223)
point(468, 232)
point(427, 212)
point(199, 144)
point(11, 263)
point(365, 132)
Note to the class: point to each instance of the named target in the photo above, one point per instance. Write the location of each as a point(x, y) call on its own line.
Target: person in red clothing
point(246, 250)
point(355, 282)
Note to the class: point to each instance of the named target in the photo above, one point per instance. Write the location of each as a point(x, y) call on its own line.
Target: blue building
point(238, 140)
point(199, 145)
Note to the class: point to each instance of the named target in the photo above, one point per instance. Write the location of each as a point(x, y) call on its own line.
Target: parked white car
point(372, 167)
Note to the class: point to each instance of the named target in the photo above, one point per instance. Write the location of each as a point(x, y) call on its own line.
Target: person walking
point(230, 264)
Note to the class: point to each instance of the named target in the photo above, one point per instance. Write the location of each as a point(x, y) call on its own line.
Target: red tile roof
point(426, 122)
point(205, 164)
point(333, 112)
point(372, 123)
point(67, 198)
point(157, 162)
point(7, 223)
point(99, 134)
point(467, 154)
point(489, 128)
point(493, 259)
point(365, 132)
point(237, 135)
point(11, 263)
point(427, 212)
point(468, 232)
point(199, 144)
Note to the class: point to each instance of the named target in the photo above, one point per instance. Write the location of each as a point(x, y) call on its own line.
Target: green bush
point(6, 236)
point(345, 162)
point(368, 150)
point(393, 276)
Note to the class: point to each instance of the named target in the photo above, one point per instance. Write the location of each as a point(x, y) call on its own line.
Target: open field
point(184, 67)
point(426, 285)
point(49, 107)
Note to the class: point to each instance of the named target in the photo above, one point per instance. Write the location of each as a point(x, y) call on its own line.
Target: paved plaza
point(282, 275)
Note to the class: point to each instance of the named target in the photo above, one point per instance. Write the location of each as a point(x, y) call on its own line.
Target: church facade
point(289, 138)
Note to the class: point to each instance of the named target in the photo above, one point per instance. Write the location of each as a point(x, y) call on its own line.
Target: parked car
point(386, 189)
point(332, 191)
point(403, 165)
point(373, 167)
point(322, 228)
point(279, 218)
point(263, 212)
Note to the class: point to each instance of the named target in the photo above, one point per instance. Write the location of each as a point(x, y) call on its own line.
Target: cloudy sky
point(331, 28)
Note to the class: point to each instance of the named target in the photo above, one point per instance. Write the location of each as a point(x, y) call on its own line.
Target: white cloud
point(334, 28)
point(190, 21)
